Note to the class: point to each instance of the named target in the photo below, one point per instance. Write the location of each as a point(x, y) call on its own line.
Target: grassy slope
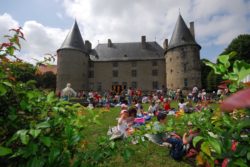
point(151, 155)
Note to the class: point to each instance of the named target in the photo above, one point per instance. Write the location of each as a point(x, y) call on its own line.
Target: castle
point(144, 64)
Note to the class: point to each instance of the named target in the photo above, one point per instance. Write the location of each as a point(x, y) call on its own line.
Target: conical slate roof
point(73, 40)
point(182, 35)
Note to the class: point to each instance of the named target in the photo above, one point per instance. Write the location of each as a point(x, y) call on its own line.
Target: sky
point(46, 23)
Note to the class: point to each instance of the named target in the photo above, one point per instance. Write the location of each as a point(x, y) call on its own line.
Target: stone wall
point(183, 67)
point(103, 74)
point(72, 67)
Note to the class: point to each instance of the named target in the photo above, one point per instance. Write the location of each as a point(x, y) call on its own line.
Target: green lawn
point(147, 155)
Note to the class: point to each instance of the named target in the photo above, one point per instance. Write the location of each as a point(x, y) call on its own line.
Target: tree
point(23, 71)
point(213, 81)
point(205, 70)
point(47, 80)
point(241, 45)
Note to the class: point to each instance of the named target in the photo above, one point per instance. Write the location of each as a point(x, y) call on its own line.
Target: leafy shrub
point(36, 128)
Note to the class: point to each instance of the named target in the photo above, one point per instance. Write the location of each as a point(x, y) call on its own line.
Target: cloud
point(6, 23)
point(220, 20)
point(124, 21)
point(39, 39)
point(216, 22)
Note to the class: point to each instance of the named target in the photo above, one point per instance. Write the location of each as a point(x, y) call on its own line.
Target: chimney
point(109, 43)
point(165, 44)
point(191, 29)
point(88, 46)
point(143, 41)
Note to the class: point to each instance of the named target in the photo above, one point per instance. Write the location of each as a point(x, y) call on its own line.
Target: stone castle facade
point(143, 64)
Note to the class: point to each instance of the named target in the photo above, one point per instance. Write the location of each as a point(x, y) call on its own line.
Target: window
point(99, 86)
point(185, 67)
point(115, 73)
point(185, 82)
point(91, 74)
point(134, 73)
point(91, 64)
point(134, 63)
point(115, 64)
point(155, 85)
point(171, 71)
point(170, 59)
point(154, 72)
point(134, 84)
point(154, 63)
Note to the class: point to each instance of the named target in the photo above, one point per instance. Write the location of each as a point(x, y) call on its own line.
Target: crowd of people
point(130, 96)
point(131, 118)
point(132, 114)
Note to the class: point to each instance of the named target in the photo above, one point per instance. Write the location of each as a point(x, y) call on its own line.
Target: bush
point(36, 128)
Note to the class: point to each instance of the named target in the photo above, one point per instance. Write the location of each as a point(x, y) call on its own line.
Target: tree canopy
point(241, 45)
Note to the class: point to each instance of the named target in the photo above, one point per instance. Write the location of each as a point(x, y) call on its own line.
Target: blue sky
point(46, 22)
point(43, 11)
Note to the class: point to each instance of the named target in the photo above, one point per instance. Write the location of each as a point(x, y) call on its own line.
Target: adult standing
point(195, 94)
point(68, 92)
point(130, 95)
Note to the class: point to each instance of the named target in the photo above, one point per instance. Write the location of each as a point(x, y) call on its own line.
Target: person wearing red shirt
point(166, 105)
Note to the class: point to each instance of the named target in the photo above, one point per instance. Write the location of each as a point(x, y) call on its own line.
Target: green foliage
point(23, 71)
point(212, 81)
point(144, 153)
point(224, 136)
point(241, 45)
point(240, 70)
point(46, 80)
point(205, 71)
point(37, 121)
point(5, 151)
point(36, 128)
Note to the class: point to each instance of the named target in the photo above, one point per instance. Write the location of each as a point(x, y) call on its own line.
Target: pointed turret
point(183, 58)
point(182, 35)
point(73, 40)
point(72, 61)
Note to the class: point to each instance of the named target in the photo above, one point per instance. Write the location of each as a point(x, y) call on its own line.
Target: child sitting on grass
point(182, 146)
point(122, 122)
point(139, 108)
point(160, 137)
point(151, 108)
point(120, 131)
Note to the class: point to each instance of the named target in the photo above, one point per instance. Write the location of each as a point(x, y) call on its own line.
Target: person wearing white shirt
point(68, 92)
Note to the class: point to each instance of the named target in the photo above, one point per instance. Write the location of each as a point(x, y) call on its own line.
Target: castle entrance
point(118, 88)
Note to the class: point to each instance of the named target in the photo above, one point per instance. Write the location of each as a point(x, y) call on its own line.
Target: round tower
point(183, 58)
point(72, 62)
